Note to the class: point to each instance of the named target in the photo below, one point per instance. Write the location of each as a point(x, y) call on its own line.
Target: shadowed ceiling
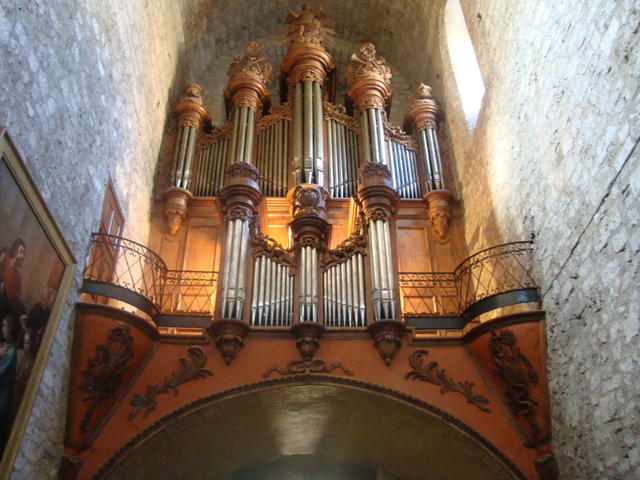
point(405, 33)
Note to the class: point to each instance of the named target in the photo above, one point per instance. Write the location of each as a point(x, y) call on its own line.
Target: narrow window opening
point(464, 62)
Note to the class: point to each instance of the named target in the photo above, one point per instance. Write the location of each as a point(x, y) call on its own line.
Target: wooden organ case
point(299, 225)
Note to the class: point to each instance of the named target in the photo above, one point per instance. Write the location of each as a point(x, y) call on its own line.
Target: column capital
point(424, 111)
point(189, 110)
point(369, 79)
point(241, 194)
point(249, 75)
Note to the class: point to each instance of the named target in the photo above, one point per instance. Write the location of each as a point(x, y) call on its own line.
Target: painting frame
point(9, 156)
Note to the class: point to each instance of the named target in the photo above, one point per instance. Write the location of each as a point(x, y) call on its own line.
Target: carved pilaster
point(369, 79)
point(439, 211)
point(249, 75)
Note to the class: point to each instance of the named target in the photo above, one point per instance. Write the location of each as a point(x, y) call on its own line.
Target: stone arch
point(319, 417)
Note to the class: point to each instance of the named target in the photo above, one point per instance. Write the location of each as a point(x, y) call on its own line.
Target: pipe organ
point(309, 152)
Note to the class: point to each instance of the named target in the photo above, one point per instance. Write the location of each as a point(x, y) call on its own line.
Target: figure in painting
point(8, 361)
point(12, 261)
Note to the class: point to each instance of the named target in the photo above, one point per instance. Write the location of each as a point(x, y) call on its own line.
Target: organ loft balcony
point(307, 261)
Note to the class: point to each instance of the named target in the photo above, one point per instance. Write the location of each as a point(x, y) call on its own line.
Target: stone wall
point(554, 156)
point(83, 92)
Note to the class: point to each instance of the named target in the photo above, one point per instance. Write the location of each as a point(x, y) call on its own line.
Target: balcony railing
point(125, 270)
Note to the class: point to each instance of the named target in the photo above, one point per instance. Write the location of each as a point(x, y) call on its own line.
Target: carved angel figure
point(253, 63)
point(308, 26)
point(367, 65)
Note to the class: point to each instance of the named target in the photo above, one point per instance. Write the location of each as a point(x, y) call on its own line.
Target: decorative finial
point(367, 65)
point(253, 64)
point(308, 26)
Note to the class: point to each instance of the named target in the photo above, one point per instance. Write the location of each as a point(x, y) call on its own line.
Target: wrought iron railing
point(488, 274)
point(496, 270)
point(126, 265)
point(189, 292)
point(428, 294)
point(128, 271)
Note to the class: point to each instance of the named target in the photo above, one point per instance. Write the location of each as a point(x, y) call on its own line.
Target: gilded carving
point(367, 65)
point(308, 26)
point(221, 132)
point(276, 114)
point(430, 373)
point(518, 374)
point(105, 369)
point(253, 63)
point(338, 113)
point(189, 369)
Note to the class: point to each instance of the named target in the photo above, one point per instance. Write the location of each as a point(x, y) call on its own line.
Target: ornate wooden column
point(191, 115)
point(369, 87)
point(240, 196)
point(306, 65)
point(424, 114)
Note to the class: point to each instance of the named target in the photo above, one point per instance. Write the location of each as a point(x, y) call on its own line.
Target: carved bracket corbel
point(387, 338)
point(439, 211)
point(229, 337)
point(176, 208)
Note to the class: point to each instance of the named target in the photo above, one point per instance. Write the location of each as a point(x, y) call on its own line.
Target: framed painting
point(36, 270)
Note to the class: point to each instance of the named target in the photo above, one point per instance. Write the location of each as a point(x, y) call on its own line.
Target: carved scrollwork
point(355, 243)
point(276, 114)
point(430, 373)
point(105, 369)
point(189, 369)
point(396, 134)
point(308, 26)
point(338, 113)
point(253, 63)
point(221, 132)
point(308, 241)
point(301, 366)
point(242, 169)
point(265, 245)
point(367, 65)
point(518, 374)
